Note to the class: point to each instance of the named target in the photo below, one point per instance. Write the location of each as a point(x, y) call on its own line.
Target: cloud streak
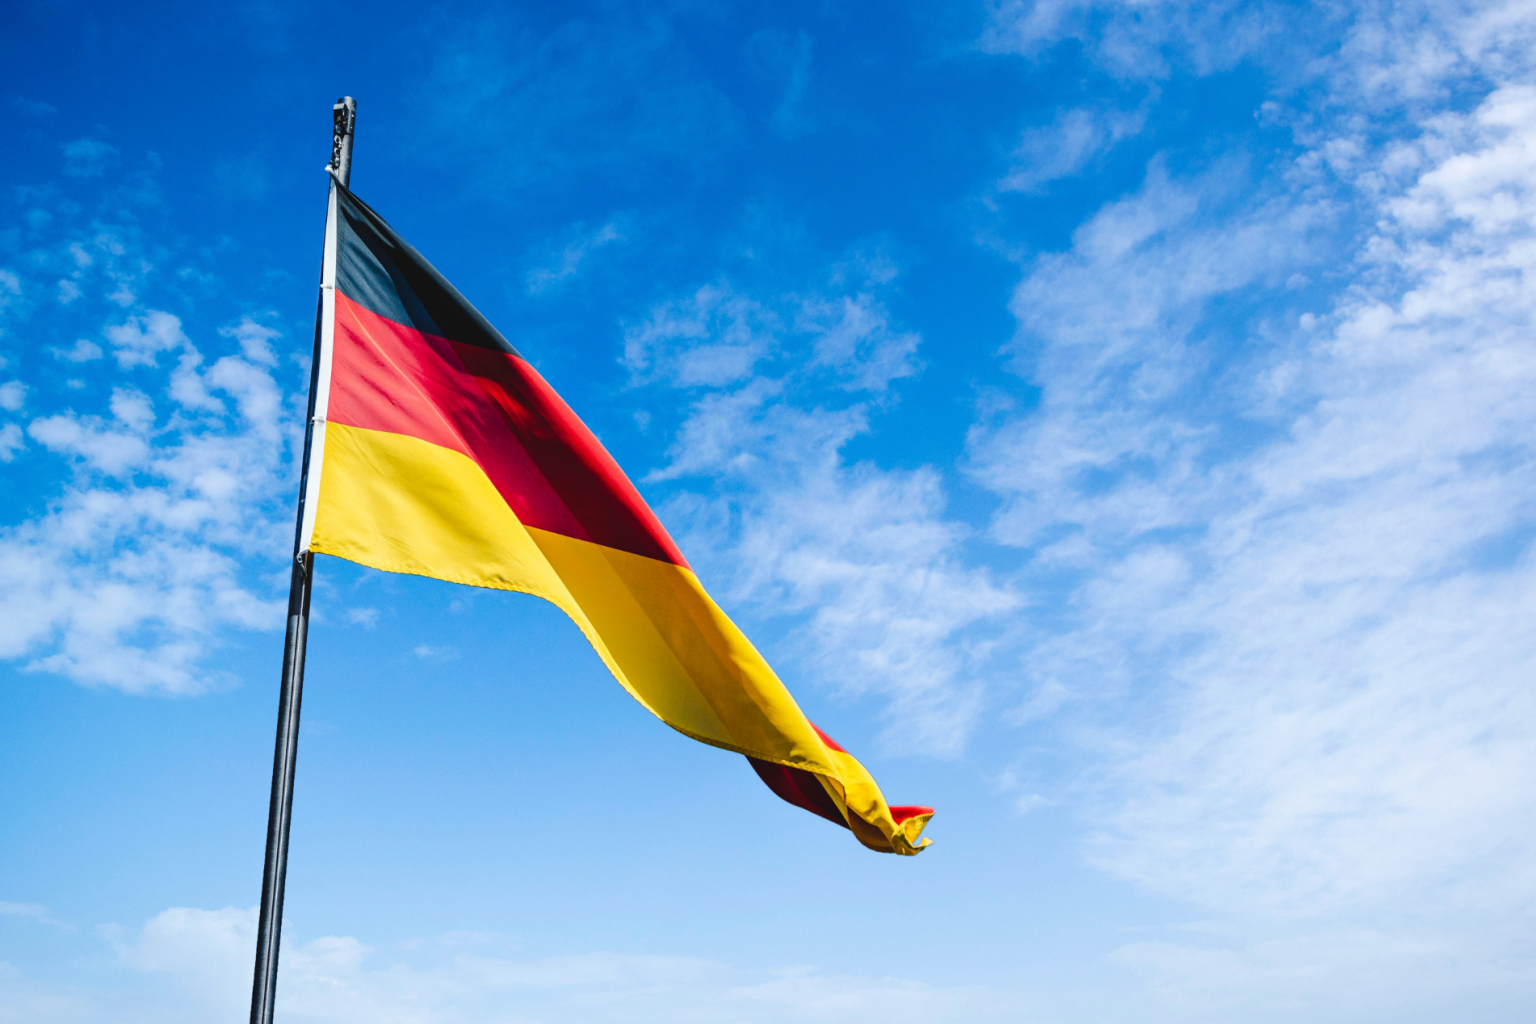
point(1295, 548)
point(862, 559)
point(187, 964)
point(172, 488)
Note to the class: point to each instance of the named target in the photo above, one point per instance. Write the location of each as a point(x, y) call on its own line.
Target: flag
point(437, 450)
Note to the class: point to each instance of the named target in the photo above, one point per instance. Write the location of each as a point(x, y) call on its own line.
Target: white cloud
point(1386, 535)
point(136, 342)
point(195, 965)
point(136, 571)
point(863, 559)
point(1073, 140)
point(13, 395)
point(1277, 499)
point(714, 338)
point(783, 60)
point(189, 387)
point(255, 340)
point(719, 337)
point(88, 158)
point(1111, 328)
point(1374, 54)
point(35, 911)
point(1145, 40)
point(368, 618)
point(71, 261)
point(1418, 53)
point(1299, 557)
point(83, 351)
point(32, 108)
point(133, 409)
point(571, 257)
point(853, 333)
point(113, 449)
point(10, 442)
point(880, 576)
point(1346, 974)
point(733, 431)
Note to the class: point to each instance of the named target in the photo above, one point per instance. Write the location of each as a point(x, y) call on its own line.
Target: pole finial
point(344, 124)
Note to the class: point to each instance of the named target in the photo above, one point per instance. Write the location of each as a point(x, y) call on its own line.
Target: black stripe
point(379, 270)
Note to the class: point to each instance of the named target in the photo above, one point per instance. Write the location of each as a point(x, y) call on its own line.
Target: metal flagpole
point(280, 812)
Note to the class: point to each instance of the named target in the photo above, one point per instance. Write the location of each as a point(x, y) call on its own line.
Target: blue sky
point(1113, 420)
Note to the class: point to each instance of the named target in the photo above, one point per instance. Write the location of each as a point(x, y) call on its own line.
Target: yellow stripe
point(406, 505)
point(399, 503)
point(667, 637)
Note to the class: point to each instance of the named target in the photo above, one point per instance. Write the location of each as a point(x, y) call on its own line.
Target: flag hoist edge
point(437, 450)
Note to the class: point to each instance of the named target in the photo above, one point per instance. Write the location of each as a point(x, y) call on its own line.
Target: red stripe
point(901, 814)
point(496, 409)
point(799, 787)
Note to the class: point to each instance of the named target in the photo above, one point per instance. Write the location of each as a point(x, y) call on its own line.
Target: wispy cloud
point(10, 441)
point(1374, 54)
point(13, 395)
point(1072, 141)
point(82, 351)
point(1295, 545)
point(1277, 496)
point(1147, 40)
point(186, 964)
point(89, 158)
point(1351, 973)
point(368, 618)
point(153, 547)
point(32, 108)
point(714, 337)
point(137, 341)
point(864, 559)
point(129, 585)
point(783, 61)
point(36, 911)
point(570, 258)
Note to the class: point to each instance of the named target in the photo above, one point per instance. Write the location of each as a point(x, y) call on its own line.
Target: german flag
point(437, 450)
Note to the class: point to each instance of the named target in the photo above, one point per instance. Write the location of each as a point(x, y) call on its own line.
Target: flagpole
point(280, 812)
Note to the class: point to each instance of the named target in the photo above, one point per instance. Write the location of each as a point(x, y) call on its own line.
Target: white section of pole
point(319, 383)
